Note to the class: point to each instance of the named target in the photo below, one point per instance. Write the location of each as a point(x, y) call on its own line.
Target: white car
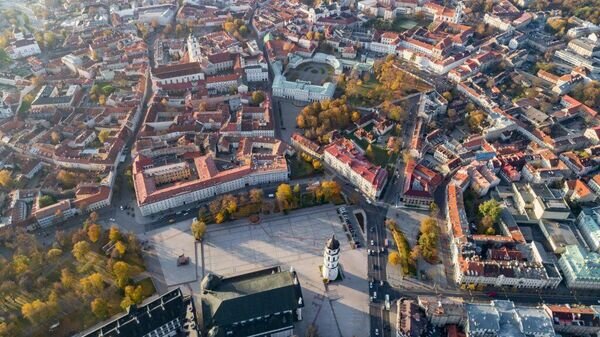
point(376, 332)
point(372, 243)
point(112, 219)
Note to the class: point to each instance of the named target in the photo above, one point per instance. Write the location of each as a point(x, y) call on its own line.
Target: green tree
point(490, 208)
point(258, 97)
point(46, 200)
point(49, 38)
point(4, 58)
point(198, 228)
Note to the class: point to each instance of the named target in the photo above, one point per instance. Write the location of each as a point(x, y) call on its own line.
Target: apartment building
point(344, 157)
point(580, 268)
point(207, 180)
point(588, 223)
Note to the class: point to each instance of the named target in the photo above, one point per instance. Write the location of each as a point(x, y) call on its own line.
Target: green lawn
point(380, 155)
point(300, 168)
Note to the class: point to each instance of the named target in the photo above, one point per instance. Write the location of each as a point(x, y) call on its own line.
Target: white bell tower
point(331, 258)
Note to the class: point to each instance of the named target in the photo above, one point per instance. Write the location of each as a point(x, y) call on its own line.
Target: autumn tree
point(55, 137)
point(319, 118)
point(256, 195)
point(67, 279)
point(80, 250)
point(331, 189)
point(220, 217)
point(94, 231)
point(38, 311)
point(394, 258)
point(53, 254)
point(198, 228)
point(284, 195)
point(120, 247)
point(179, 29)
point(92, 284)
point(99, 308)
point(66, 179)
point(114, 234)
point(428, 239)
point(103, 135)
point(229, 203)
point(49, 38)
point(6, 180)
point(317, 165)
point(355, 117)
point(476, 117)
point(415, 253)
point(135, 293)
point(121, 271)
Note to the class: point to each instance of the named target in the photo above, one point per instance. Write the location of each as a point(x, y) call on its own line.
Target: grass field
point(380, 154)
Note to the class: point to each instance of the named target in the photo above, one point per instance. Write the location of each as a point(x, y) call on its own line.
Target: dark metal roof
point(145, 318)
point(268, 293)
point(333, 243)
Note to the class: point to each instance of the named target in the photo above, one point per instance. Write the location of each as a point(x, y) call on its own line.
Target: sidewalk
point(243, 222)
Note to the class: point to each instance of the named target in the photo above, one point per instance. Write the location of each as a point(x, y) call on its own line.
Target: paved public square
point(168, 244)
point(297, 240)
point(289, 112)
